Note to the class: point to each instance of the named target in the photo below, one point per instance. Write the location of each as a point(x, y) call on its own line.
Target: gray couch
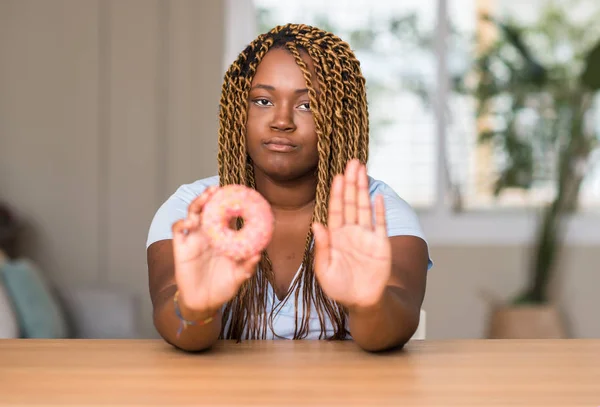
point(101, 312)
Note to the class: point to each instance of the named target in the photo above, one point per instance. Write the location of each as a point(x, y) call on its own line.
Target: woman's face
point(281, 139)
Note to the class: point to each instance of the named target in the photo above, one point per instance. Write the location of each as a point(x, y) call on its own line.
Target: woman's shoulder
point(188, 192)
point(376, 185)
point(400, 215)
point(175, 208)
point(379, 187)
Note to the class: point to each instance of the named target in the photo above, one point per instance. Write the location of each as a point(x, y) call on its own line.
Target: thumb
point(322, 247)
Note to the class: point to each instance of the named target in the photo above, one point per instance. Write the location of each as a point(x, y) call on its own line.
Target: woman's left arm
point(379, 279)
point(394, 319)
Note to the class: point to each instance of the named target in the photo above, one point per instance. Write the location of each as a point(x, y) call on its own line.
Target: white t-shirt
point(400, 217)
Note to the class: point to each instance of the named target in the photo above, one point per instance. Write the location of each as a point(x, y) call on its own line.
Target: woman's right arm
point(161, 275)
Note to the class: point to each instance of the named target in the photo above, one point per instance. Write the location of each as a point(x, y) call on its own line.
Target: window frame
point(441, 225)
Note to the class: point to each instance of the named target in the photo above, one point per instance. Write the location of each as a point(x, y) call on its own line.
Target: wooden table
point(289, 373)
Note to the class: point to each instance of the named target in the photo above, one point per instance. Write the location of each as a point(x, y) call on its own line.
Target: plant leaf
point(591, 74)
point(534, 70)
point(486, 136)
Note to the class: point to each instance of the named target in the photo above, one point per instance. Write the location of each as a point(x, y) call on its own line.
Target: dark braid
point(342, 127)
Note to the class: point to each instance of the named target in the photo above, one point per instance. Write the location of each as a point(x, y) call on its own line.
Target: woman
point(347, 257)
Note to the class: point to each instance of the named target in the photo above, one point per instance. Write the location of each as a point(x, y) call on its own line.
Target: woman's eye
point(305, 106)
point(262, 102)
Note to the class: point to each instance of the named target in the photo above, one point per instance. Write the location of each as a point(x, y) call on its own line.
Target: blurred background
point(484, 117)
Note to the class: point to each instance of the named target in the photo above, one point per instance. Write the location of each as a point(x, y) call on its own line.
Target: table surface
point(263, 373)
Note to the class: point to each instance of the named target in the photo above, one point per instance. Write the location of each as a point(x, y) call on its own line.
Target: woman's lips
point(280, 148)
point(279, 145)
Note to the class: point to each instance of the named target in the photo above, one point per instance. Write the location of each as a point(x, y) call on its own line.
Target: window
point(424, 133)
point(558, 33)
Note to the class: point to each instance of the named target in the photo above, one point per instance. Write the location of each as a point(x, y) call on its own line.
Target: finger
point(322, 247)
point(365, 212)
point(380, 222)
point(350, 179)
point(182, 228)
point(335, 213)
point(185, 233)
point(195, 208)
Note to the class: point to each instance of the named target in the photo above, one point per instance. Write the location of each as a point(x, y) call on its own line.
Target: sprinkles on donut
point(229, 203)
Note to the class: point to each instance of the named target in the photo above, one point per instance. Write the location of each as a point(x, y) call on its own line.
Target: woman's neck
point(289, 196)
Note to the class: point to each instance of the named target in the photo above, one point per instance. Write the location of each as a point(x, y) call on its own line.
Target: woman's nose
point(283, 119)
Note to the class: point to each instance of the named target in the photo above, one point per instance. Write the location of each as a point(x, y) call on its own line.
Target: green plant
point(537, 84)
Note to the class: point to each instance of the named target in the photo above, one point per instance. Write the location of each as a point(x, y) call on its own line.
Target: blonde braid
point(341, 123)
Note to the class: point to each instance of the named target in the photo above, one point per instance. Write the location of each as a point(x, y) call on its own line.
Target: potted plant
point(537, 84)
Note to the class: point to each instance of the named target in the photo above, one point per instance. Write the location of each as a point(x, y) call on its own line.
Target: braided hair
point(342, 126)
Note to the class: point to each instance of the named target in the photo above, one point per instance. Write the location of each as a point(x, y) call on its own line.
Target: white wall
point(463, 276)
point(106, 107)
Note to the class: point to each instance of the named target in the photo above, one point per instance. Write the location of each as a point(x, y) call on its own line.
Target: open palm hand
point(353, 253)
point(205, 278)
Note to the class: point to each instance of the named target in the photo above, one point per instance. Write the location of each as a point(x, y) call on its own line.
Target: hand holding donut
point(210, 266)
point(353, 255)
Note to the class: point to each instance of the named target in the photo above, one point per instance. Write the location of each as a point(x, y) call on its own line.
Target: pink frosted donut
point(230, 202)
